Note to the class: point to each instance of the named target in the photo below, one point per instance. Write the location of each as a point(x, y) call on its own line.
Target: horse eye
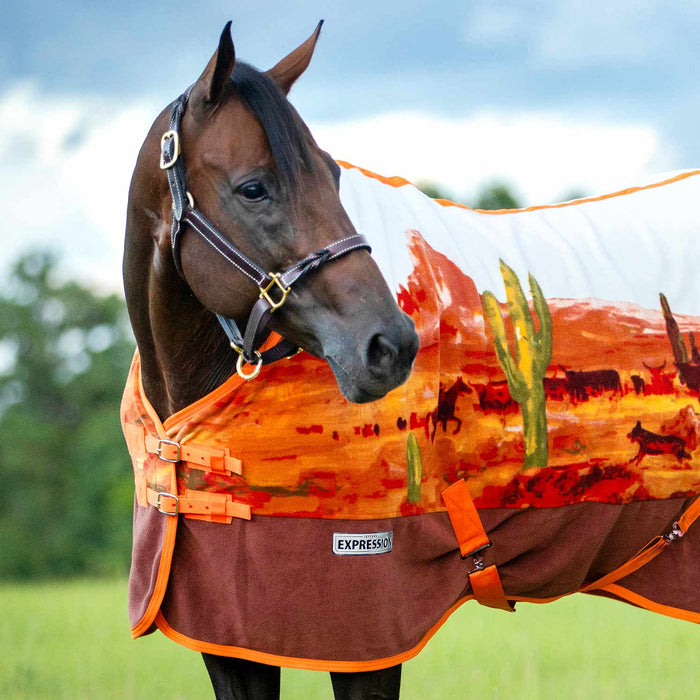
point(253, 191)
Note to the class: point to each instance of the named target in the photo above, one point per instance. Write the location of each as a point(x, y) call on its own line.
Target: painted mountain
point(620, 395)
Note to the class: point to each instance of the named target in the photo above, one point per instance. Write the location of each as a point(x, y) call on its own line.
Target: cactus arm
point(543, 337)
point(492, 312)
point(520, 317)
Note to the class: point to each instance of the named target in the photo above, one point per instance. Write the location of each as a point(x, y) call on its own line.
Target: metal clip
point(477, 559)
point(265, 292)
point(165, 160)
point(675, 534)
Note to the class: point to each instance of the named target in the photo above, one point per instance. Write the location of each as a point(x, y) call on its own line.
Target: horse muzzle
point(369, 366)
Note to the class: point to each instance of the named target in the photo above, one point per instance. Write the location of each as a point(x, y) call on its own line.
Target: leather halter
point(274, 286)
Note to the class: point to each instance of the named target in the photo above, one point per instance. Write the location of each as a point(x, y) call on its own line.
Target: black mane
point(265, 98)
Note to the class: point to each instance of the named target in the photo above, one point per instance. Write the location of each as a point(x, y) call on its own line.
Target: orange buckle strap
point(215, 459)
point(650, 550)
point(473, 540)
point(199, 505)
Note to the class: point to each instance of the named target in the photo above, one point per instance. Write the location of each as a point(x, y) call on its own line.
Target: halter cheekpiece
point(273, 286)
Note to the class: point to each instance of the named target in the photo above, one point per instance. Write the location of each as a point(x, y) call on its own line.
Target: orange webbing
point(199, 505)
point(199, 456)
point(465, 519)
point(472, 538)
point(488, 590)
point(649, 551)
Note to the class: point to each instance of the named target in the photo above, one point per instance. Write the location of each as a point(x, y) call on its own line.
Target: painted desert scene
point(538, 402)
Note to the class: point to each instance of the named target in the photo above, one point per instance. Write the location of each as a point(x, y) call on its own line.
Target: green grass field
point(71, 640)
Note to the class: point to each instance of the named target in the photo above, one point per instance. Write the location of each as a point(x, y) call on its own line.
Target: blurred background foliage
point(66, 501)
point(65, 505)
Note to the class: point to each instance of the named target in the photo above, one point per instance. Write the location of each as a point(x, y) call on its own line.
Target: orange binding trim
point(217, 459)
point(472, 538)
point(650, 550)
point(199, 505)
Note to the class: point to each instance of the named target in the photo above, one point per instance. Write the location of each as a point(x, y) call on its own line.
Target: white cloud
point(65, 164)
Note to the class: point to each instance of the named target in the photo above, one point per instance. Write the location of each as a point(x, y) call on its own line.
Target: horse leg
point(238, 679)
point(384, 684)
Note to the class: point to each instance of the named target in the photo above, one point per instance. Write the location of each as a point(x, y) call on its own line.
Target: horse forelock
point(288, 143)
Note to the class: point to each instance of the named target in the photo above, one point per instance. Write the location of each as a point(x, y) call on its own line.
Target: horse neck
point(184, 353)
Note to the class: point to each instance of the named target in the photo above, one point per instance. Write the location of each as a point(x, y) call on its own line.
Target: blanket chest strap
point(199, 456)
point(199, 505)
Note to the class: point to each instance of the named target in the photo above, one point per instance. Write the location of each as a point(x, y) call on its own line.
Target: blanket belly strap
point(199, 505)
point(650, 550)
point(472, 538)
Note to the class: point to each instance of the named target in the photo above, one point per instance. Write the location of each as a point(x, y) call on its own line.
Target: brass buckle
point(241, 360)
point(265, 293)
point(159, 451)
point(168, 495)
point(172, 134)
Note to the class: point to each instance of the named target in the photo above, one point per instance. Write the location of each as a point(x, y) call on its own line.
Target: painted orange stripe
point(305, 664)
point(396, 181)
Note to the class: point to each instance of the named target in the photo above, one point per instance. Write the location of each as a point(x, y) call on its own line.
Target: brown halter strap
point(274, 286)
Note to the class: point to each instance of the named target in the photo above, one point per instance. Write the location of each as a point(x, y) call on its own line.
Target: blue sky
point(550, 96)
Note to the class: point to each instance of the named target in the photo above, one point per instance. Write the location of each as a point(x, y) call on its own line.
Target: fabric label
point(363, 542)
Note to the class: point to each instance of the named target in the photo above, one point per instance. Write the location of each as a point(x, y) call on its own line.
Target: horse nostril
point(381, 355)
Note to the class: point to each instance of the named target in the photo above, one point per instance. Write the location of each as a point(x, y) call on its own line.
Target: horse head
point(270, 193)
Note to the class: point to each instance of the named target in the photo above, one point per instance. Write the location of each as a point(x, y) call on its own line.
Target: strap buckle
point(165, 494)
point(172, 443)
point(265, 292)
point(166, 160)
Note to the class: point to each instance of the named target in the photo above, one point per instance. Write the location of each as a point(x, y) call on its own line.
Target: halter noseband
point(274, 286)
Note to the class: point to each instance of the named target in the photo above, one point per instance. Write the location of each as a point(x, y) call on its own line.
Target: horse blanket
point(558, 372)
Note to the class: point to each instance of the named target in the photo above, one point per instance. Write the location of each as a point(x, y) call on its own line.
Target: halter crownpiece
point(274, 287)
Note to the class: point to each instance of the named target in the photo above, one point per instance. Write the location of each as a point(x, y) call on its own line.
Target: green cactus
point(680, 354)
point(533, 353)
point(414, 467)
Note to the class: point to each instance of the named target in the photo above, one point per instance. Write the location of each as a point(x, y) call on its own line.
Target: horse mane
point(285, 136)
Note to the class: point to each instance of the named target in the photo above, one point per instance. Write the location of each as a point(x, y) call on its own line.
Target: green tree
point(496, 195)
point(432, 189)
point(65, 505)
point(493, 195)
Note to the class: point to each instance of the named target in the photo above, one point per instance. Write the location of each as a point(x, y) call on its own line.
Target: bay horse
point(254, 168)
point(230, 185)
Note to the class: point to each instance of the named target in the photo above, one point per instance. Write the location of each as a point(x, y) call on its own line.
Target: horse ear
point(294, 64)
point(211, 84)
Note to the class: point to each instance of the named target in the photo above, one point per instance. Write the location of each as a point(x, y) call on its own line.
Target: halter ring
point(256, 369)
